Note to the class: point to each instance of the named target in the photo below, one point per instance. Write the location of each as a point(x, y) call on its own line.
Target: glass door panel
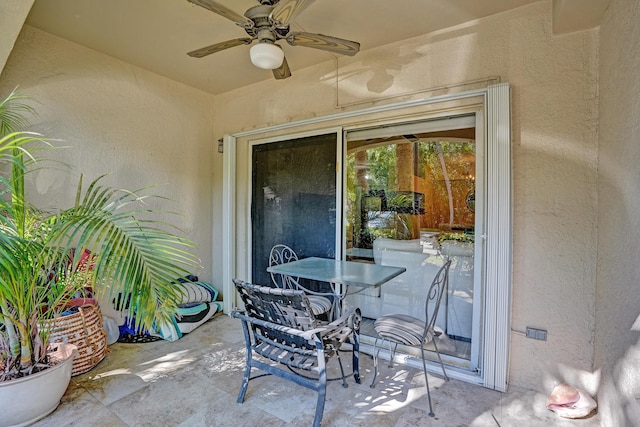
point(293, 200)
point(410, 202)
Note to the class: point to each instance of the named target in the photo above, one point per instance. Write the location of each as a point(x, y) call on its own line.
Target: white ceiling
point(157, 34)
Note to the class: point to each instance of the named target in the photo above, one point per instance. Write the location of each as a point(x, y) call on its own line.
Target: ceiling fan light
point(266, 55)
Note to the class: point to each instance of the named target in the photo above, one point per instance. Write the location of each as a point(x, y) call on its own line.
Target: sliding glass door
point(410, 209)
point(410, 202)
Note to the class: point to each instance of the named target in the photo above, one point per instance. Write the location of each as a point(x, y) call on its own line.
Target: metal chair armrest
point(344, 319)
point(311, 334)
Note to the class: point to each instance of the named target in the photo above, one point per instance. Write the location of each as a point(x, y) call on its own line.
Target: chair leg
point(356, 357)
point(344, 380)
point(426, 381)
point(375, 363)
point(246, 378)
point(392, 353)
point(322, 392)
point(440, 360)
point(317, 419)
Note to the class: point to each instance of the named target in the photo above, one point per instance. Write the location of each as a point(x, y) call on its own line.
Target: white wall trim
point(499, 237)
point(228, 222)
point(372, 110)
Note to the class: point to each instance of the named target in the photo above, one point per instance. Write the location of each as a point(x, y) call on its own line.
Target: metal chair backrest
point(281, 254)
point(282, 307)
point(279, 325)
point(438, 287)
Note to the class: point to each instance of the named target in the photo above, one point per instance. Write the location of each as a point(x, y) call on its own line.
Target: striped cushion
point(319, 305)
point(191, 317)
point(402, 328)
point(193, 292)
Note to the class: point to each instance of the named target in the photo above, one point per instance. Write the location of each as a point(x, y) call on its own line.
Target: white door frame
point(498, 273)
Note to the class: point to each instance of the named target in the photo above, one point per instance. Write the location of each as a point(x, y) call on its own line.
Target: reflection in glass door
point(410, 202)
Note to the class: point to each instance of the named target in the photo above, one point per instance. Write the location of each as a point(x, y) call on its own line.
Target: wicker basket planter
point(84, 330)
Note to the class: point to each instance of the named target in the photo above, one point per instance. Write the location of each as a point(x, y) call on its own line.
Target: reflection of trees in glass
point(459, 157)
point(382, 167)
point(377, 170)
point(459, 160)
point(381, 172)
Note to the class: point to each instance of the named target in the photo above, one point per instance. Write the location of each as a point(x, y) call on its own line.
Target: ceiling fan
point(268, 23)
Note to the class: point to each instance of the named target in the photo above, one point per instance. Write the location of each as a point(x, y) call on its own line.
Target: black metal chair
point(279, 325)
point(321, 302)
point(411, 331)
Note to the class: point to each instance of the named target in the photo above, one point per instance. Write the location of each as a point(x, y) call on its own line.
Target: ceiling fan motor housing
point(264, 28)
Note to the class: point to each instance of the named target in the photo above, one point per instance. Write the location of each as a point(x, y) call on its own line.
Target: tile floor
point(195, 381)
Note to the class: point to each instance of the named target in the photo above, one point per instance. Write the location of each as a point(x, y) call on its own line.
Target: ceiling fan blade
point(320, 41)
point(224, 11)
point(286, 10)
point(283, 71)
point(208, 50)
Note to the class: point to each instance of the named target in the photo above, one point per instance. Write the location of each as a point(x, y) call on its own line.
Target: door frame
point(427, 124)
point(496, 316)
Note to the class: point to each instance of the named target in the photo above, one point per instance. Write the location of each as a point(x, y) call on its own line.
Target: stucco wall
point(12, 15)
point(139, 128)
point(144, 129)
point(618, 297)
point(554, 118)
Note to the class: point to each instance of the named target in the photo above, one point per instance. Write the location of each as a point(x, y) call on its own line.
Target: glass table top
point(342, 272)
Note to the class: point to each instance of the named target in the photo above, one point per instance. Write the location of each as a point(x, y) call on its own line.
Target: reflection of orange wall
point(437, 201)
point(459, 168)
point(361, 170)
point(404, 170)
point(404, 166)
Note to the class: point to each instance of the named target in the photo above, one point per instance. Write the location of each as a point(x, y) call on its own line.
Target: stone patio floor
point(195, 380)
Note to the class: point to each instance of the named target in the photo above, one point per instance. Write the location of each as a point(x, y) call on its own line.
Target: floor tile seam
point(102, 405)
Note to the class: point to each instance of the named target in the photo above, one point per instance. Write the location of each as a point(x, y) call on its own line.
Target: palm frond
point(14, 112)
point(137, 256)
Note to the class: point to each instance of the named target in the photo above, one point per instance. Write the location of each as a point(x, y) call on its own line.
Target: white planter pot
point(454, 248)
point(26, 400)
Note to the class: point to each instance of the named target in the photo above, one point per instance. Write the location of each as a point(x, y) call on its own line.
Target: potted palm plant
point(133, 254)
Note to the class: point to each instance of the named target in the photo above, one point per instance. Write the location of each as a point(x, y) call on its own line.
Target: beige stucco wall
point(139, 128)
point(143, 129)
point(12, 16)
point(554, 118)
point(618, 298)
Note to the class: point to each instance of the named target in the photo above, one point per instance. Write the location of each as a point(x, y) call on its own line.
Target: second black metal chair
point(321, 302)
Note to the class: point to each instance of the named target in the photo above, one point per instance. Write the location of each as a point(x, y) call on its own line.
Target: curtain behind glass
point(293, 199)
